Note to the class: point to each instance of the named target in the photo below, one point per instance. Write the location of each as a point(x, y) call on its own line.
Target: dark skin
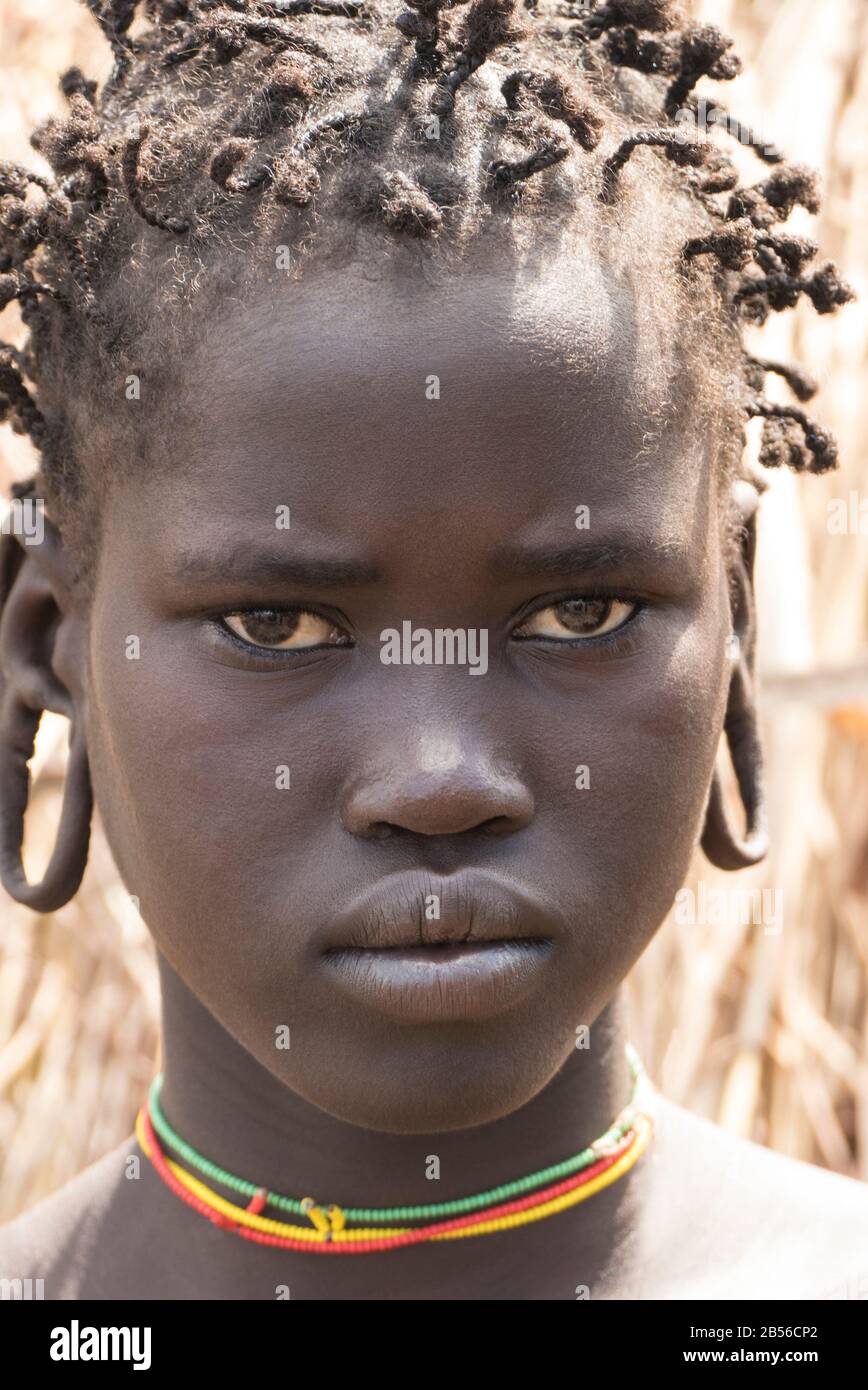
point(544, 406)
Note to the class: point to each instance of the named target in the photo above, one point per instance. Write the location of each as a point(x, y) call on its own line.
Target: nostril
point(380, 830)
point(385, 830)
point(497, 825)
point(481, 801)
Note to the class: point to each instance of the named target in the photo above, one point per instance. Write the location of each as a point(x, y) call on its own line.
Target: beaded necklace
point(338, 1230)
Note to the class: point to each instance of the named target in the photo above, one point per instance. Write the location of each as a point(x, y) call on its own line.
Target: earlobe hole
point(47, 776)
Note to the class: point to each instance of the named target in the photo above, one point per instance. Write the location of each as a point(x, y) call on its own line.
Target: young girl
point(370, 351)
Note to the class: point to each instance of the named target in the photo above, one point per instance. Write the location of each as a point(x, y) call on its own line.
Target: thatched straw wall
point(765, 1031)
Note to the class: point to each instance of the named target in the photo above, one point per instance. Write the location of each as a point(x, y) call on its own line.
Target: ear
point(42, 644)
point(745, 504)
point(723, 845)
point(40, 621)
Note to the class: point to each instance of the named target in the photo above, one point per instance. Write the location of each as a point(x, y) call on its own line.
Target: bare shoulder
point(57, 1239)
point(762, 1224)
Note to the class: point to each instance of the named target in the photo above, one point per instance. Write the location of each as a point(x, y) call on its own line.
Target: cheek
point(651, 744)
point(190, 776)
point(233, 869)
point(659, 754)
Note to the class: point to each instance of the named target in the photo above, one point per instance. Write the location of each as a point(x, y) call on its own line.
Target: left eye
point(577, 618)
point(284, 629)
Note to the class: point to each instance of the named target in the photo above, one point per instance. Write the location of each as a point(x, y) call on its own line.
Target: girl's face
point(274, 790)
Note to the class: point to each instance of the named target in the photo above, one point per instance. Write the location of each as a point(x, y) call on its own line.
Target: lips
point(422, 949)
point(420, 909)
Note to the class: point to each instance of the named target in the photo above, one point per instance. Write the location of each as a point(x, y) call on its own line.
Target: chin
point(420, 1086)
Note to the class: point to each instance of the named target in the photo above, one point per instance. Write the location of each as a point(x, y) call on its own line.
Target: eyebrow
point(245, 564)
point(509, 559)
point(515, 558)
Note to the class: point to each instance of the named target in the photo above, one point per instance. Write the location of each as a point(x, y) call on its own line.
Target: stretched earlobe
point(721, 842)
point(18, 726)
point(22, 702)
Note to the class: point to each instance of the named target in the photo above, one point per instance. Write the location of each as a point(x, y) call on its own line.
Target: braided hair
point(227, 123)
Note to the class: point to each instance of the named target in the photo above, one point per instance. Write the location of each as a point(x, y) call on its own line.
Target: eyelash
point(250, 649)
point(621, 640)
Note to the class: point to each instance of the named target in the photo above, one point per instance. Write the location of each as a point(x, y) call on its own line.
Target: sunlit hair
point(225, 121)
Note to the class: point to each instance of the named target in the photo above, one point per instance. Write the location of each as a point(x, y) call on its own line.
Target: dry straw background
point(764, 1032)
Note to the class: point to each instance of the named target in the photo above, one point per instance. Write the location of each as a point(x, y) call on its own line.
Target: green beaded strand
point(376, 1215)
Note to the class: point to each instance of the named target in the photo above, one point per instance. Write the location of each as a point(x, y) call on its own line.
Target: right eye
point(285, 629)
point(573, 619)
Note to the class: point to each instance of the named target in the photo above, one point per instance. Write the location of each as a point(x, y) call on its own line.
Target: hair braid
point(130, 169)
point(488, 24)
point(225, 121)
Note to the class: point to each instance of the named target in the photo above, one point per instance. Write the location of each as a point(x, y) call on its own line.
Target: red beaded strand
point(370, 1246)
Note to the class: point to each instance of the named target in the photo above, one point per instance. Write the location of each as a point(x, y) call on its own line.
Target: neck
point(225, 1104)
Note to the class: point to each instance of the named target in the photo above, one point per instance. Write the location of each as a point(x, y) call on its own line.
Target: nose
point(436, 787)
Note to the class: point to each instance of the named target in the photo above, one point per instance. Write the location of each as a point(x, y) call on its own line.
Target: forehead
point(499, 398)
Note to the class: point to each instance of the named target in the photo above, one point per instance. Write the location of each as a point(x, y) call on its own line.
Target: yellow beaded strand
point(332, 1226)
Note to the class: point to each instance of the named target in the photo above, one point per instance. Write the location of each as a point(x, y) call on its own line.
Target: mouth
point(421, 949)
